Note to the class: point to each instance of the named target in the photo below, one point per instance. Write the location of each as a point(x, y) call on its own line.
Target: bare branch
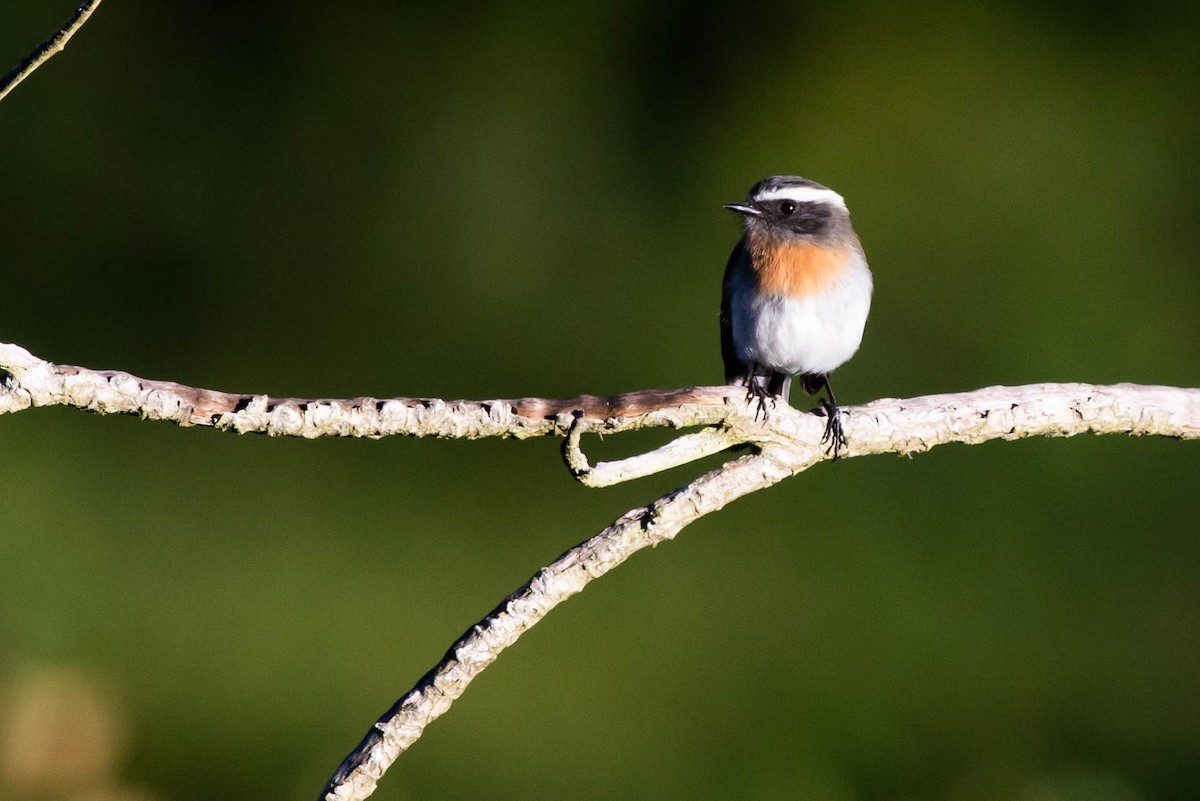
point(787, 442)
point(899, 426)
point(51, 47)
point(34, 382)
point(404, 723)
point(789, 446)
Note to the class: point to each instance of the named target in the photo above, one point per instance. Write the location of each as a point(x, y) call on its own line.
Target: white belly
point(813, 334)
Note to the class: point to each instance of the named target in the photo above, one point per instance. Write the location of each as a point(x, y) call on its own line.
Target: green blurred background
point(464, 201)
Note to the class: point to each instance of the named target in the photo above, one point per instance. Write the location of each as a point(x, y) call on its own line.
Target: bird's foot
point(835, 436)
point(757, 392)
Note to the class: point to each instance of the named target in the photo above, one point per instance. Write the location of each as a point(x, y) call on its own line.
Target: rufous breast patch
point(797, 270)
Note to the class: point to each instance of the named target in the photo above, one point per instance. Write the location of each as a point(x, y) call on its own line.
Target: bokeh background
point(453, 200)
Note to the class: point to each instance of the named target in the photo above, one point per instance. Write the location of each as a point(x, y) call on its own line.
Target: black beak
point(743, 209)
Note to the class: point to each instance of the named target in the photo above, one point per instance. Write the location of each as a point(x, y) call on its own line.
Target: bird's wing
point(735, 370)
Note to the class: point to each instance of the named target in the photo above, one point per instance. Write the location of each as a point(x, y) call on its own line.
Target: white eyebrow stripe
point(802, 194)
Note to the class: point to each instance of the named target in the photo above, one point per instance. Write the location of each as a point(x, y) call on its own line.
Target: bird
point(795, 296)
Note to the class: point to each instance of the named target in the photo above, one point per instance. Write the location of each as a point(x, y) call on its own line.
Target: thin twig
point(679, 451)
point(48, 48)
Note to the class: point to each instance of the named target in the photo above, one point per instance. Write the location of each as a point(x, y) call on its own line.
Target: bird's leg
point(835, 435)
point(779, 385)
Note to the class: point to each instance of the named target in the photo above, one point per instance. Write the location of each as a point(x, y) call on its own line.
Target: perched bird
point(796, 294)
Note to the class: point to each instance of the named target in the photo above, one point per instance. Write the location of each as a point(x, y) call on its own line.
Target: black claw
point(757, 392)
point(835, 435)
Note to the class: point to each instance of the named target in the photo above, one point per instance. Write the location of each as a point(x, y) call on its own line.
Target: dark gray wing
point(735, 371)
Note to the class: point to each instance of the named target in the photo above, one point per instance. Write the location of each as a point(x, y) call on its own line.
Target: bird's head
point(787, 208)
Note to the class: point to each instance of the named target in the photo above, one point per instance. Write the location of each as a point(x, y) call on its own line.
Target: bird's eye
point(787, 207)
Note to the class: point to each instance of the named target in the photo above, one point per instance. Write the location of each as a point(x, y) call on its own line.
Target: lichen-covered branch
point(52, 46)
point(34, 382)
point(404, 723)
point(789, 444)
point(900, 426)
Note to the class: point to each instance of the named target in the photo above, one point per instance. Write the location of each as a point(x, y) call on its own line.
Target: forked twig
point(789, 445)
